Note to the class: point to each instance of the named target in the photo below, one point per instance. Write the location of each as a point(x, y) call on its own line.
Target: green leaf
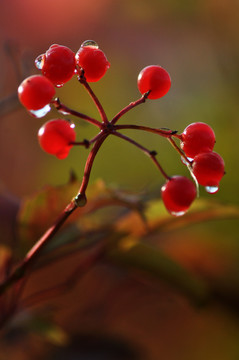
point(202, 210)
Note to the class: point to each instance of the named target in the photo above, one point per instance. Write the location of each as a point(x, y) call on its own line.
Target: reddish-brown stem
point(67, 111)
point(151, 154)
point(177, 148)
point(89, 162)
point(102, 113)
point(34, 252)
point(86, 142)
point(161, 132)
point(129, 107)
point(178, 136)
point(79, 200)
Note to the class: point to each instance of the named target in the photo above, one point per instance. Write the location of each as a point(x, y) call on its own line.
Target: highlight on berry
point(194, 146)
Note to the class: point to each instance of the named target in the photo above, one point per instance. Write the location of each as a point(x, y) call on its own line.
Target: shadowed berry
point(208, 169)
point(178, 194)
point(56, 137)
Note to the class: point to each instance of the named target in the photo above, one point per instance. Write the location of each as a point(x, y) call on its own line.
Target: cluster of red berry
point(59, 64)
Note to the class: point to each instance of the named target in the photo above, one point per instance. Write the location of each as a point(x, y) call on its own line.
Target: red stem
point(129, 107)
point(61, 107)
point(177, 148)
point(34, 252)
point(102, 113)
point(89, 162)
point(161, 132)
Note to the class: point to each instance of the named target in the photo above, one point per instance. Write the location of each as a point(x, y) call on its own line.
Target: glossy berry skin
point(197, 138)
point(156, 79)
point(55, 137)
point(93, 61)
point(208, 168)
point(35, 92)
point(178, 194)
point(58, 64)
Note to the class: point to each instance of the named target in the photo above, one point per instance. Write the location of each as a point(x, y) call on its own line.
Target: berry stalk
point(129, 107)
point(161, 132)
point(66, 110)
point(102, 113)
point(89, 163)
point(35, 251)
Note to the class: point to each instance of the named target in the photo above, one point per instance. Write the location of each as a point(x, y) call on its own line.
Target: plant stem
point(102, 113)
point(89, 162)
point(64, 109)
point(34, 252)
point(151, 154)
point(177, 148)
point(129, 107)
point(161, 132)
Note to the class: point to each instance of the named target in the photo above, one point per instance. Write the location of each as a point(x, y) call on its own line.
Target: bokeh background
point(197, 42)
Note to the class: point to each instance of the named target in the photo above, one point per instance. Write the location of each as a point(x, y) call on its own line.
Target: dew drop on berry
point(41, 112)
point(91, 43)
point(184, 160)
point(39, 62)
point(211, 189)
point(178, 213)
point(59, 85)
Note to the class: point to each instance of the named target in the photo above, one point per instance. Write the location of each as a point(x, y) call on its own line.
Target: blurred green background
point(197, 42)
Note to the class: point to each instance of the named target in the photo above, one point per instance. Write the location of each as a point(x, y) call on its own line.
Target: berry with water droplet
point(208, 169)
point(92, 60)
point(155, 79)
point(41, 112)
point(39, 61)
point(178, 194)
point(92, 43)
point(57, 64)
point(56, 137)
point(196, 138)
point(35, 92)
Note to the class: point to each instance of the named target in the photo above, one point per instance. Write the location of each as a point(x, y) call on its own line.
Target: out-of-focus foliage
point(141, 299)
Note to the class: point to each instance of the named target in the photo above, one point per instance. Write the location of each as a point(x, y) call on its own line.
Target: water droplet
point(59, 85)
point(184, 160)
point(211, 189)
point(63, 112)
point(90, 43)
point(41, 112)
point(39, 61)
point(178, 213)
point(80, 200)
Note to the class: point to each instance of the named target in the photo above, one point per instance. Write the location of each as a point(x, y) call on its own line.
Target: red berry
point(56, 137)
point(57, 64)
point(35, 92)
point(92, 60)
point(197, 138)
point(155, 79)
point(208, 169)
point(178, 194)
